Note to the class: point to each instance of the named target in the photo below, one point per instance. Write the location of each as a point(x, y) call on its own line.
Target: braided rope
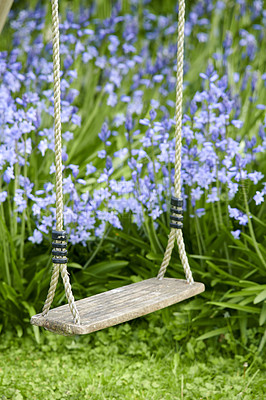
point(69, 294)
point(177, 234)
point(58, 173)
point(167, 253)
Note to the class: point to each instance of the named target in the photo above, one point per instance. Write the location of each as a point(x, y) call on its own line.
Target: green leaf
point(19, 330)
point(9, 293)
point(258, 220)
point(138, 243)
point(74, 265)
point(31, 310)
point(152, 256)
point(263, 314)
point(36, 332)
point(261, 296)
point(105, 267)
point(255, 288)
point(155, 243)
point(214, 332)
point(248, 309)
point(221, 271)
point(262, 343)
point(249, 292)
point(18, 396)
point(34, 282)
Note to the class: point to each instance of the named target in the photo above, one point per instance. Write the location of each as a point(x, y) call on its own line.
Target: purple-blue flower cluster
point(132, 81)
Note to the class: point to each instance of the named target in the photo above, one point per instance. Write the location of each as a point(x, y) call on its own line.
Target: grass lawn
point(126, 362)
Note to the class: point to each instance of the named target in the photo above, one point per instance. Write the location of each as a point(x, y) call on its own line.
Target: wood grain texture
point(5, 6)
point(118, 305)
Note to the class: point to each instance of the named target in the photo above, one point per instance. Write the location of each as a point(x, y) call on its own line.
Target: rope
point(177, 233)
point(58, 174)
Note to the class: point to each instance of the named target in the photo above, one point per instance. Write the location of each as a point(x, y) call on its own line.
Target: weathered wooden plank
point(118, 305)
point(5, 6)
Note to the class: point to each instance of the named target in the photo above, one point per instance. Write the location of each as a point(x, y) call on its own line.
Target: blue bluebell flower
point(3, 196)
point(36, 237)
point(236, 233)
point(8, 174)
point(259, 198)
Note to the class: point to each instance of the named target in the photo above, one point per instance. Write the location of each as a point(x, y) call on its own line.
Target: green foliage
point(131, 361)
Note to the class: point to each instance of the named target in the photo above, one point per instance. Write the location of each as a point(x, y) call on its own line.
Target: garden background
point(118, 62)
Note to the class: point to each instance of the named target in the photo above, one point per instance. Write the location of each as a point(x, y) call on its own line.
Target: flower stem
point(200, 233)
point(251, 230)
point(4, 242)
point(215, 218)
point(15, 214)
point(25, 196)
point(105, 234)
point(154, 173)
point(198, 240)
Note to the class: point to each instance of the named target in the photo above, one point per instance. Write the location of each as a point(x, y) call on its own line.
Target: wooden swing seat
point(118, 305)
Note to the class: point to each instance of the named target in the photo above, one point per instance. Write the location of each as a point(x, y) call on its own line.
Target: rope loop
point(176, 217)
point(59, 235)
